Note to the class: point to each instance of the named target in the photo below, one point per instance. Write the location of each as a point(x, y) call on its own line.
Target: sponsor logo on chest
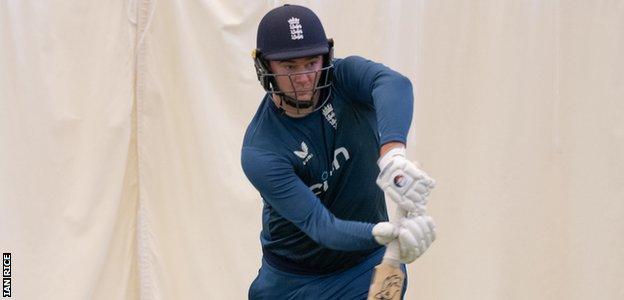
point(341, 156)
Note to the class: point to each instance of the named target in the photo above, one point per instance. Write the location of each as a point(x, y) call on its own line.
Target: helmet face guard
point(321, 90)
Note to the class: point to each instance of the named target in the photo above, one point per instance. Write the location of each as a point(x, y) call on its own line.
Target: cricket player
point(325, 138)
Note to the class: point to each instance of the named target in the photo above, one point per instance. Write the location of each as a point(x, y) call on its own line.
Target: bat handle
point(392, 250)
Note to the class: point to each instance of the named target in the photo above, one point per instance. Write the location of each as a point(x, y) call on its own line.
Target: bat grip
point(392, 250)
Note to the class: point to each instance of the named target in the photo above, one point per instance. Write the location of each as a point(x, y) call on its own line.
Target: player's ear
point(262, 69)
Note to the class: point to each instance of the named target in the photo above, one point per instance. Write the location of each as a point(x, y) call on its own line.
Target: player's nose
point(305, 78)
point(302, 79)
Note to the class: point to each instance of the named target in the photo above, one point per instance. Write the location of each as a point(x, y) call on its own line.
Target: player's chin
point(305, 100)
point(304, 105)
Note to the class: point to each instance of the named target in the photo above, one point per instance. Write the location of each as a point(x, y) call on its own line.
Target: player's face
point(298, 77)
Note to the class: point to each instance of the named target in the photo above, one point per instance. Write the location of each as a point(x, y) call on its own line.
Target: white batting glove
point(385, 232)
point(415, 234)
point(403, 181)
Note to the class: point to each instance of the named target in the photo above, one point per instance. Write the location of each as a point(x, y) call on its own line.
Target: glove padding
point(414, 233)
point(403, 181)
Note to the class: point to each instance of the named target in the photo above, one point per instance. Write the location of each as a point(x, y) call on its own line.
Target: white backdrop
point(121, 124)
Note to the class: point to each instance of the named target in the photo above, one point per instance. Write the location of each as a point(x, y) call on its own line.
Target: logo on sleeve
point(304, 153)
point(296, 31)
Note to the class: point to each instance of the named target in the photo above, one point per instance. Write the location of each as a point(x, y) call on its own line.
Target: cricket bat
point(387, 281)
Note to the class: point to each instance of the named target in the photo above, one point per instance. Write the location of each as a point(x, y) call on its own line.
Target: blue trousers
point(352, 283)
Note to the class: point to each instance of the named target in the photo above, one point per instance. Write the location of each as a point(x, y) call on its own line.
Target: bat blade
point(387, 283)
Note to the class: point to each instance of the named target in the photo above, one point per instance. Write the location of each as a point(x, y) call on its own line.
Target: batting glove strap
point(387, 158)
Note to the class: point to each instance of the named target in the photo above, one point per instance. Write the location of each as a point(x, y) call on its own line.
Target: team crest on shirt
point(330, 115)
point(304, 153)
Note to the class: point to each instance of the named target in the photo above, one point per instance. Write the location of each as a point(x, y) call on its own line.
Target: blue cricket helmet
point(289, 32)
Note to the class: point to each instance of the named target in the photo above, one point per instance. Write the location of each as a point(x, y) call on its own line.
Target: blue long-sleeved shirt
point(316, 174)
